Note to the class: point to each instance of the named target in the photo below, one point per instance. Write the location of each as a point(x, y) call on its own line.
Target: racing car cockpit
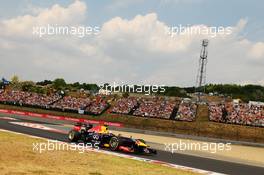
point(82, 127)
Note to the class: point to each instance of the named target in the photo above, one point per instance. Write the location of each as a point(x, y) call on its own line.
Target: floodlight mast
point(201, 75)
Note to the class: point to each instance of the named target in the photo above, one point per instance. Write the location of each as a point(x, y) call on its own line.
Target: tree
point(125, 94)
point(27, 86)
point(174, 91)
point(93, 87)
point(15, 79)
point(44, 83)
point(15, 83)
point(59, 84)
point(1, 85)
point(106, 86)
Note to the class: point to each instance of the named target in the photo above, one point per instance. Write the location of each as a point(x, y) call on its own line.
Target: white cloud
point(21, 25)
point(257, 50)
point(144, 33)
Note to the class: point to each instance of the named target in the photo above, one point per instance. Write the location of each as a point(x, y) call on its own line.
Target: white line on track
point(8, 118)
point(37, 126)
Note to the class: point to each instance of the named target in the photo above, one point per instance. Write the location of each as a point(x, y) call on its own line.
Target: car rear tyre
point(114, 143)
point(73, 136)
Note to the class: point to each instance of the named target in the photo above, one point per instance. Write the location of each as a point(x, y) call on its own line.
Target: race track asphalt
point(176, 158)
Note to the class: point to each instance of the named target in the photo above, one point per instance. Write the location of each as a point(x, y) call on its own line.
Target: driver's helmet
point(101, 129)
point(104, 129)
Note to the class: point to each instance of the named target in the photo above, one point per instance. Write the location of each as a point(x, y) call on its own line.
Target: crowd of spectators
point(237, 113)
point(71, 103)
point(14, 97)
point(156, 107)
point(216, 111)
point(98, 106)
point(186, 111)
point(67, 103)
point(125, 105)
point(40, 100)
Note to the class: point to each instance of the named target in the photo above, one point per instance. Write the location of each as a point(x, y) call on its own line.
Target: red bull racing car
point(101, 136)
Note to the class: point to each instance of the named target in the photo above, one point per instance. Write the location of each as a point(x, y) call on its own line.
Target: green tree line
point(243, 92)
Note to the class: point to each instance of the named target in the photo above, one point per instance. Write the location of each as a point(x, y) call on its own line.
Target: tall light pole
point(201, 75)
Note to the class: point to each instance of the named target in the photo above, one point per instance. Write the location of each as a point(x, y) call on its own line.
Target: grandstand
point(237, 113)
point(153, 107)
point(250, 114)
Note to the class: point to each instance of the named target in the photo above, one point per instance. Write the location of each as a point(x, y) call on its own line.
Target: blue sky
point(194, 10)
point(125, 51)
point(172, 12)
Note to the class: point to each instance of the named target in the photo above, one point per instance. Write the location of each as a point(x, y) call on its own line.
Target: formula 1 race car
point(101, 136)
